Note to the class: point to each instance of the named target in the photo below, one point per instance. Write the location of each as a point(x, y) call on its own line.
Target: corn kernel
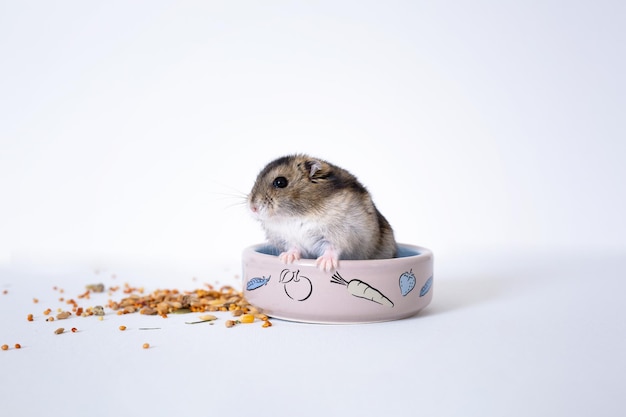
point(247, 318)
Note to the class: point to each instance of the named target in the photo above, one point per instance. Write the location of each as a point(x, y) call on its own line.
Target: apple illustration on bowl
point(297, 287)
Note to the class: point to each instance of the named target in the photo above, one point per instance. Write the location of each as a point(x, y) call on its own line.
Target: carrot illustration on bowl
point(360, 289)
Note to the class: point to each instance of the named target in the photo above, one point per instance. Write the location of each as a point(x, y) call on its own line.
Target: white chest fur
point(305, 234)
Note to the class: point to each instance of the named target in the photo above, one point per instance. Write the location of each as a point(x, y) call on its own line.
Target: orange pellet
point(146, 345)
point(266, 323)
point(5, 347)
point(47, 311)
point(74, 329)
point(18, 346)
point(29, 317)
point(122, 328)
point(35, 300)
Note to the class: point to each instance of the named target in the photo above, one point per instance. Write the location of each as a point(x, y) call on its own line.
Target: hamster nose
point(254, 208)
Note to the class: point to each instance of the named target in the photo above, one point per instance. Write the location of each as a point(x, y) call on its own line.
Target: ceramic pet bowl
point(357, 292)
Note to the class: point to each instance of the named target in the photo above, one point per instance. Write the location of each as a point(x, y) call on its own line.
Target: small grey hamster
point(310, 208)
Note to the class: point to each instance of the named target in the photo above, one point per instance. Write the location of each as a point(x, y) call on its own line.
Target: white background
point(491, 132)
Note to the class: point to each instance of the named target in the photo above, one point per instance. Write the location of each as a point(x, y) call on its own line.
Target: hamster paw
point(289, 256)
point(327, 262)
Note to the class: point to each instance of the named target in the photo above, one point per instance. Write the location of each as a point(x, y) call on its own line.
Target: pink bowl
point(357, 292)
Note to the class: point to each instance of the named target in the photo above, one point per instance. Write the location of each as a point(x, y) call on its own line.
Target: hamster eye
point(280, 182)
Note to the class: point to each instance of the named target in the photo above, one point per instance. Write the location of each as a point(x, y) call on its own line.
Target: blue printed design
point(426, 287)
point(255, 283)
point(407, 282)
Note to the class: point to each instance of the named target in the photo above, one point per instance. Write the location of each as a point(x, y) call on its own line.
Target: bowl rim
point(422, 252)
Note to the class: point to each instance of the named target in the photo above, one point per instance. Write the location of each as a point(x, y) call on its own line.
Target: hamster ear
point(317, 169)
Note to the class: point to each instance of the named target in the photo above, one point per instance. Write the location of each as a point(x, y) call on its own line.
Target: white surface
point(124, 124)
point(513, 334)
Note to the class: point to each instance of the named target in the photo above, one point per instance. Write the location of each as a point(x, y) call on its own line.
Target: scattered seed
point(63, 315)
point(4, 347)
point(29, 317)
point(50, 318)
point(266, 323)
point(203, 319)
point(98, 311)
point(247, 318)
point(47, 311)
point(18, 346)
point(35, 300)
point(147, 310)
point(146, 345)
point(59, 330)
point(230, 323)
point(95, 287)
point(122, 328)
point(74, 329)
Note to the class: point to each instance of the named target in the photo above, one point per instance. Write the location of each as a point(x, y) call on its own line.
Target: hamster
point(310, 208)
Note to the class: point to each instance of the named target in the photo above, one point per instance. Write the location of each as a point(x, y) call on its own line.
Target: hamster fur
point(310, 208)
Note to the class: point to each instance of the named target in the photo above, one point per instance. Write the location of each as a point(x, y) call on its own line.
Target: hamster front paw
point(289, 256)
point(329, 261)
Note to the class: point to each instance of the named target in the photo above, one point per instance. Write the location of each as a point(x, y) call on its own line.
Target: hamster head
point(297, 185)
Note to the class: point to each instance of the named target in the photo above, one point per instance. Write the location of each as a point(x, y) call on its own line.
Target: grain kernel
point(122, 328)
point(266, 323)
point(247, 318)
point(63, 315)
point(59, 330)
point(74, 329)
point(146, 345)
point(18, 346)
point(230, 323)
point(4, 347)
point(29, 317)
